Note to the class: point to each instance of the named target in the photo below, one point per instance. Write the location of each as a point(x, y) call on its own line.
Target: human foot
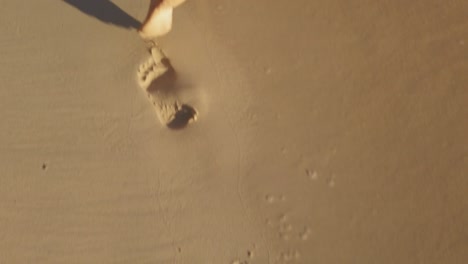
point(158, 22)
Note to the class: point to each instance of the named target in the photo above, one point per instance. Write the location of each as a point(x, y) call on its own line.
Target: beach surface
point(327, 132)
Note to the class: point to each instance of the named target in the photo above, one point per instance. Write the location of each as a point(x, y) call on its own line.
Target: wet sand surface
point(328, 132)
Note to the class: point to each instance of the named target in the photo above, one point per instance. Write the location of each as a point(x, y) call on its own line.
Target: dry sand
point(329, 132)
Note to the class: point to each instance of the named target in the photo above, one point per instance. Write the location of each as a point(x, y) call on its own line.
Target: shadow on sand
point(106, 11)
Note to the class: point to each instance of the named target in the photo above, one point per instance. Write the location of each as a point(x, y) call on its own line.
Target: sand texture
point(326, 132)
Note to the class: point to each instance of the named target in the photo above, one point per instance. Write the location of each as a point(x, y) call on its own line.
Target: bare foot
point(158, 22)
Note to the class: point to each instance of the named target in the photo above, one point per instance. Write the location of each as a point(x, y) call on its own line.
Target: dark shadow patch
point(106, 11)
point(183, 117)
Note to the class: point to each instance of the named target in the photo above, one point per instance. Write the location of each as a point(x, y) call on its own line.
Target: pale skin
point(158, 22)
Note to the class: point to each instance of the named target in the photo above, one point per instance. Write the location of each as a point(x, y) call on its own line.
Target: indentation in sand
point(157, 77)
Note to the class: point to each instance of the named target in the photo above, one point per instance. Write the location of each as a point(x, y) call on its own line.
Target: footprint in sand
point(157, 78)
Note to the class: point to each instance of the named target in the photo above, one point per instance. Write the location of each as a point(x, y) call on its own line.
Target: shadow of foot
point(183, 117)
point(106, 11)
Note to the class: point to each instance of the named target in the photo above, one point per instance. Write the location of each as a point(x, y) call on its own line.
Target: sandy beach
point(327, 132)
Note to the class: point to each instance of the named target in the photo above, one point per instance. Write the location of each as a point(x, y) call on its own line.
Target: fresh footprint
point(157, 78)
